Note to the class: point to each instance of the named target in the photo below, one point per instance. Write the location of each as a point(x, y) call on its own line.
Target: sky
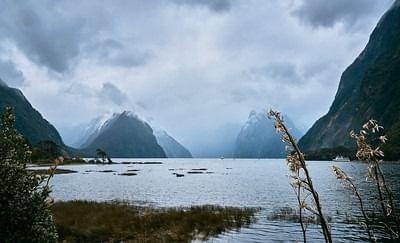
point(191, 67)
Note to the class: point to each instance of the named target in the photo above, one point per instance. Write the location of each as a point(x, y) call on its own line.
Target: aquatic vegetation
point(307, 196)
point(292, 215)
point(83, 221)
point(49, 171)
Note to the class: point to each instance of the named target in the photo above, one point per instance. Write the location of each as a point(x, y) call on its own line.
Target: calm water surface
point(233, 182)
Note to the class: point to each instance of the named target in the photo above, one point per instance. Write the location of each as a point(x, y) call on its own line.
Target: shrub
point(24, 204)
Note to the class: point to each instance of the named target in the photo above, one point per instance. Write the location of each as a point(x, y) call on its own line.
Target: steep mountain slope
point(92, 130)
point(258, 138)
point(29, 122)
point(124, 135)
point(172, 148)
point(369, 88)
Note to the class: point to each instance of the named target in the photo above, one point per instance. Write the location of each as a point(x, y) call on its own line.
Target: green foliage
point(330, 153)
point(24, 210)
point(369, 89)
point(46, 150)
point(392, 148)
point(29, 122)
point(103, 155)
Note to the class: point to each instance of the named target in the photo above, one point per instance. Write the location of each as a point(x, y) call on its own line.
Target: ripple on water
point(247, 183)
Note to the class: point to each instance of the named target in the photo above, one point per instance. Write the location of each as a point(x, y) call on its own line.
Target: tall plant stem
point(380, 194)
point(324, 223)
point(303, 229)
point(370, 236)
point(390, 195)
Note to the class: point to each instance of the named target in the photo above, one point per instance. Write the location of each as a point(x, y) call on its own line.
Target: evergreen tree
point(24, 206)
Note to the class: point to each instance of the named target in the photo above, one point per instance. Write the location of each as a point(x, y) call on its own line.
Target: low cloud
point(191, 65)
point(114, 53)
point(279, 72)
point(214, 5)
point(110, 92)
point(10, 74)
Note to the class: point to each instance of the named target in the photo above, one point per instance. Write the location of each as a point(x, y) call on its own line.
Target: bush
point(24, 210)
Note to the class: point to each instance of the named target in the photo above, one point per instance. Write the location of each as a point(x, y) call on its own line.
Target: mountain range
point(369, 89)
point(28, 121)
point(258, 138)
point(124, 135)
point(139, 132)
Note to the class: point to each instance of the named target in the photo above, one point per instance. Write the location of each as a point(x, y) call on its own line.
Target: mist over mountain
point(123, 135)
point(369, 89)
point(259, 139)
point(215, 143)
point(172, 148)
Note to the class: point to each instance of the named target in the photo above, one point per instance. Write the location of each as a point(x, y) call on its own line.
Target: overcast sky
point(189, 66)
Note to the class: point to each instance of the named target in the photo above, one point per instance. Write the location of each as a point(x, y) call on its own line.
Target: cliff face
point(28, 121)
point(369, 89)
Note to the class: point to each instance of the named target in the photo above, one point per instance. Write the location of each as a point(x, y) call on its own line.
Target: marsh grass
point(49, 171)
point(292, 215)
point(84, 221)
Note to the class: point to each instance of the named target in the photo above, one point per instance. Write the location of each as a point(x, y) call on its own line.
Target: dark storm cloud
point(10, 74)
point(319, 13)
point(182, 61)
point(42, 33)
point(214, 5)
point(112, 93)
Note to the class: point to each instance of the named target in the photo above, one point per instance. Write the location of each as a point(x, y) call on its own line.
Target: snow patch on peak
point(159, 132)
point(252, 113)
point(129, 114)
point(94, 127)
point(102, 123)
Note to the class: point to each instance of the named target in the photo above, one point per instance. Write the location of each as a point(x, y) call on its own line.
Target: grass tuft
point(84, 221)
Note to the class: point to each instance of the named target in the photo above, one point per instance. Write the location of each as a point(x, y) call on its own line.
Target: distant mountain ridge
point(172, 148)
point(369, 88)
point(124, 135)
point(93, 129)
point(258, 138)
point(28, 121)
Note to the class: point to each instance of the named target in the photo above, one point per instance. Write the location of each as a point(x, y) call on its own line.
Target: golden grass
point(83, 221)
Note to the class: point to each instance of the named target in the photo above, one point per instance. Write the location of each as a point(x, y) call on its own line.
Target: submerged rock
point(127, 174)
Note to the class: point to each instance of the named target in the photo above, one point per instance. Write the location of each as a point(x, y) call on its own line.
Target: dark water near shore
point(230, 182)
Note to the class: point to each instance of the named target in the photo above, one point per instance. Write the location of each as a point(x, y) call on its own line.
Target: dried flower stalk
point(53, 169)
point(301, 178)
point(374, 157)
point(348, 183)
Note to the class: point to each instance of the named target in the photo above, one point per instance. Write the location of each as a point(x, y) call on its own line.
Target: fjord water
point(259, 183)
